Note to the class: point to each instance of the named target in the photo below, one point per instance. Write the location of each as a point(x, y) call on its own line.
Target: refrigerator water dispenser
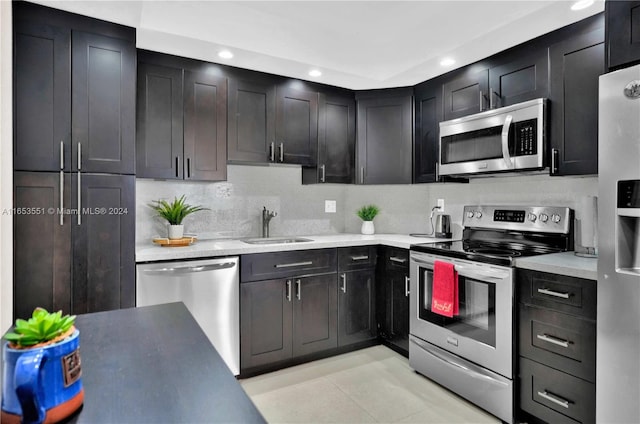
point(628, 227)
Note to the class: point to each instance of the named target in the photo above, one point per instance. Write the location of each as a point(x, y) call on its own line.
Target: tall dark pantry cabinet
point(74, 162)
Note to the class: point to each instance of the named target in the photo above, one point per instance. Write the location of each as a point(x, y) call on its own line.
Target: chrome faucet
point(266, 217)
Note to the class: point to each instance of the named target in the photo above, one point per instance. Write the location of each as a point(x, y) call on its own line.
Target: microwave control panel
point(526, 133)
point(629, 194)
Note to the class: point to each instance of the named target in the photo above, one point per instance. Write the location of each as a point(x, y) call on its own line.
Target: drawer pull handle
point(289, 290)
point(553, 293)
point(555, 399)
point(553, 340)
point(294, 264)
point(360, 258)
point(398, 260)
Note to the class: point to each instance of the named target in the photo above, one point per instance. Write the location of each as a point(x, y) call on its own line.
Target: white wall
point(6, 166)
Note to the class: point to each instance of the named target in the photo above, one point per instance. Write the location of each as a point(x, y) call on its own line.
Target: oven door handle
point(473, 371)
point(465, 271)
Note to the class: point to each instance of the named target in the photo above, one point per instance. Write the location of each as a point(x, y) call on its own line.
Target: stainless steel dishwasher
point(211, 291)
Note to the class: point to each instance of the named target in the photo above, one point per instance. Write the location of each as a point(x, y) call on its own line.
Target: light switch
point(330, 206)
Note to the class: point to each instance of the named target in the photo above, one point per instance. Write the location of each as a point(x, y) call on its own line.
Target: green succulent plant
point(175, 211)
point(368, 212)
point(43, 326)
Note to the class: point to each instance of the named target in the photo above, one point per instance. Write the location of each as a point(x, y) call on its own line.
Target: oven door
point(483, 331)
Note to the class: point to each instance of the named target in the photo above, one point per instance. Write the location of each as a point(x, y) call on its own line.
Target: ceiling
point(355, 44)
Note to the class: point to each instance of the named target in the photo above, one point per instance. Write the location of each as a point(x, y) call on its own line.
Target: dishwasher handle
point(190, 269)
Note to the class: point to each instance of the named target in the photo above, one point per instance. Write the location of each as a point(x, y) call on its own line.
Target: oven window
point(475, 145)
point(477, 318)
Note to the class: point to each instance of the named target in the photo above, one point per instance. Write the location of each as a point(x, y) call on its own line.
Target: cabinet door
point(103, 103)
point(336, 139)
point(623, 32)
point(42, 243)
point(252, 118)
point(399, 290)
point(576, 64)
point(265, 322)
point(385, 140)
point(42, 97)
point(103, 242)
point(205, 126)
point(522, 77)
point(428, 109)
point(296, 126)
point(159, 122)
point(356, 307)
point(315, 314)
point(466, 94)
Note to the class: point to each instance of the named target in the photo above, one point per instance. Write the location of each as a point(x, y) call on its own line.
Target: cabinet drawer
point(559, 340)
point(263, 266)
point(396, 259)
point(357, 257)
point(554, 396)
point(572, 295)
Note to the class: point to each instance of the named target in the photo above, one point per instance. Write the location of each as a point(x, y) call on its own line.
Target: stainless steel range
point(472, 352)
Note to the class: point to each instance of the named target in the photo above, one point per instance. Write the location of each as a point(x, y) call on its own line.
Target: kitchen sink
point(283, 240)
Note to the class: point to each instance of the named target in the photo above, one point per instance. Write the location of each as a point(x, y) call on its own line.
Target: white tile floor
point(374, 385)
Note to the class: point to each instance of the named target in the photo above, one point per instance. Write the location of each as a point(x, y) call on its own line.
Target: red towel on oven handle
point(444, 296)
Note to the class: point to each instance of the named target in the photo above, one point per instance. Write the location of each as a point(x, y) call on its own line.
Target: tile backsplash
point(236, 205)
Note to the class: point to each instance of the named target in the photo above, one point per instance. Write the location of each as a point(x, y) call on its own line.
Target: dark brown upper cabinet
point(181, 119)
point(576, 64)
point(428, 114)
point(512, 77)
point(385, 136)
point(623, 33)
point(336, 140)
point(74, 93)
point(296, 125)
point(251, 120)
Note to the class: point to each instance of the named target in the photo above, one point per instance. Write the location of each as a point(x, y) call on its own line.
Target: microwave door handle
point(505, 142)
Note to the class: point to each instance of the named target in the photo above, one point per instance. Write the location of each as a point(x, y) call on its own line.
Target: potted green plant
point(174, 213)
point(42, 369)
point(367, 213)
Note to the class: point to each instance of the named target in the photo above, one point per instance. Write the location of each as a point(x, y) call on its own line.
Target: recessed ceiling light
point(582, 4)
point(315, 73)
point(447, 62)
point(225, 54)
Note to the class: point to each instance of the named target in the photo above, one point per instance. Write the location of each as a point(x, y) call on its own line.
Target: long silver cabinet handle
point(61, 211)
point(359, 258)
point(343, 276)
point(406, 286)
point(362, 175)
point(79, 156)
point(397, 260)
point(554, 340)
point(289, 290)
point(481, 101)
point(294, 264)
point(298, 289)
point(554, 161)
point(188, 167)
point(323, 175)
point(79, 198)
point(555, 399)
point(61, 154)
point(177, 166)
point(553, 293)
point(281, 152)
point(272, 152)
point(190, 269)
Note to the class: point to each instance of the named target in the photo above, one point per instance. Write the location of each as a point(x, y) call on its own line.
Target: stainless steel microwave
point(511, 138)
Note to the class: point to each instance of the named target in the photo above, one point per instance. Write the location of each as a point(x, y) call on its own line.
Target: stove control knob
point(470, 214)
point(555, 218)
point(532, 217)
point(544, 217)
point(478, 214)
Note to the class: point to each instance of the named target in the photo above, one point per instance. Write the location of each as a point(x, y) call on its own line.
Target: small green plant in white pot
point(174, 212)
point(367, 213)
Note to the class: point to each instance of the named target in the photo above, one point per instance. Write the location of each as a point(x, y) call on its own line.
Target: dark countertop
point(155, 365)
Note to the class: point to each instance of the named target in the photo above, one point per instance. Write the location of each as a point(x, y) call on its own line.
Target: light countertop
point(227, 247)
point(565, 263)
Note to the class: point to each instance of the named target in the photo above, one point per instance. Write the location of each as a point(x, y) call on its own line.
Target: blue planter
point(44, 384)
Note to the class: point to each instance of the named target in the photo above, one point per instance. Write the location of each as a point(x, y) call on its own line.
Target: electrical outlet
point(330, 206)
point(441, 205)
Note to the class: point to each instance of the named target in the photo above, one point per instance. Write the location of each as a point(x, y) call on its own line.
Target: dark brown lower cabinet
point(286, 318)
point(393, 298)
point(356, 307)
point(77, 258)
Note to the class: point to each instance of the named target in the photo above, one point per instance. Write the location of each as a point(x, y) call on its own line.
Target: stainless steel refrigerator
point(618, 344)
